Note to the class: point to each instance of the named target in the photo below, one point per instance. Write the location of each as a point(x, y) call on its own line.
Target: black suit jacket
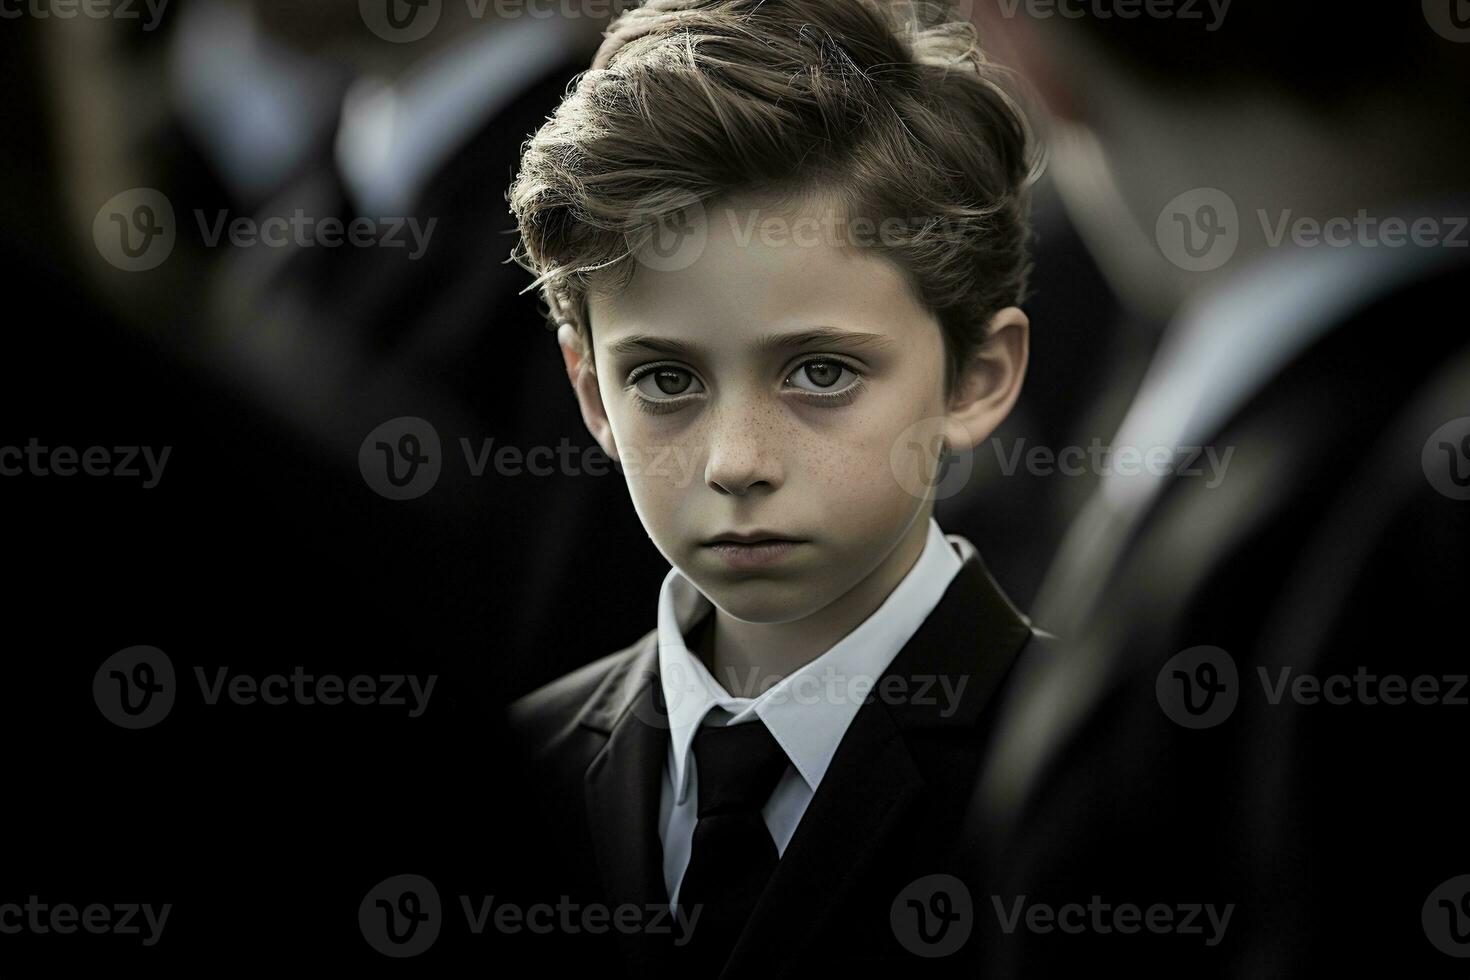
point(884, 815)
point(1325, 551)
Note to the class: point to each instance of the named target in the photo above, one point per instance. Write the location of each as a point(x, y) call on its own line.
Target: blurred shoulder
point(551, 711)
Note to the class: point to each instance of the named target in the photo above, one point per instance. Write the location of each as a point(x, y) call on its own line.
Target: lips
point(755, 553)
point(753, 538)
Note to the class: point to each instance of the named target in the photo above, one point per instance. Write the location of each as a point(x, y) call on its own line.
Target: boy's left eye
point(824, 375)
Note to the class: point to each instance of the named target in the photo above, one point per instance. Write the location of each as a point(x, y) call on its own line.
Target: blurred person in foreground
point(1242, 758)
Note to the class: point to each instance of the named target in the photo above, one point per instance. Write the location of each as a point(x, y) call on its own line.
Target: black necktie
point(732, 855)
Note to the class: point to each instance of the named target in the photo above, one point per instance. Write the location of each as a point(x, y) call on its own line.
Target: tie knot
point(738, 767)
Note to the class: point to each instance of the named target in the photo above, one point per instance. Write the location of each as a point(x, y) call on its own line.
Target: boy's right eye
point(664, 383)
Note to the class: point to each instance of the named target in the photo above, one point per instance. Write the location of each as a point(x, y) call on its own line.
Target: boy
point(783, 242)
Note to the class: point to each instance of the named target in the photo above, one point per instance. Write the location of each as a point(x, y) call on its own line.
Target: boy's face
point(732, 435)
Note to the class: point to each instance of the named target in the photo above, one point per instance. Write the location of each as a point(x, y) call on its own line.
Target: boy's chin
point(764, 599)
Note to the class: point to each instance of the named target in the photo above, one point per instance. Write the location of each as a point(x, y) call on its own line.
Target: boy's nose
point(741, 454)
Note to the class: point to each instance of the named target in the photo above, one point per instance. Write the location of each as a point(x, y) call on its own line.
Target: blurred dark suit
point(340, 340)
point(262, 548)
point(1324, 550)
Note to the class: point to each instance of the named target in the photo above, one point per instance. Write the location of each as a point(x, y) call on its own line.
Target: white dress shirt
point(807, 712)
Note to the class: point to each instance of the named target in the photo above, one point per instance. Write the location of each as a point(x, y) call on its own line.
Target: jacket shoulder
point(549, 713)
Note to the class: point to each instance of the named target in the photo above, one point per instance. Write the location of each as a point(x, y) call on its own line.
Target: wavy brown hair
point(887, 107)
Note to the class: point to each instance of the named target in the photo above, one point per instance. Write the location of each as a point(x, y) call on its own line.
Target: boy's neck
point(748, 658)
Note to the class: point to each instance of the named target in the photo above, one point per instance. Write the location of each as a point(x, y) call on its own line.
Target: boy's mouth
point(756, 537)
point(748, 550)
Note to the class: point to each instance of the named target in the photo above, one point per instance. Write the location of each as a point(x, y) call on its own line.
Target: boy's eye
point(667, 382)
point(665, 386)
point(823, 375)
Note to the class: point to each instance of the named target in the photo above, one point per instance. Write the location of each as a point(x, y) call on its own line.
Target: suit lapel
point(974, 635)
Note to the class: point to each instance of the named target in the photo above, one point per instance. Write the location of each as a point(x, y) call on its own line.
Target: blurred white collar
point(394, 136)
point(1222, 349)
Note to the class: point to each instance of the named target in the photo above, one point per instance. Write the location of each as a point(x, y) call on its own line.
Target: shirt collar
point(809, 710)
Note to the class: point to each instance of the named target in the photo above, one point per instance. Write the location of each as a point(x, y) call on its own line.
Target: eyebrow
point(786, 342)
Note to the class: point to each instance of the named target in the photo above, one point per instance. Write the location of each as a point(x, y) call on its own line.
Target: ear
point(582, 374)
point(987, 387)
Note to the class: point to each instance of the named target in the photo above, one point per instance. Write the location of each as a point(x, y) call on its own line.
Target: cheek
point(658, 461)
point(871, 474)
